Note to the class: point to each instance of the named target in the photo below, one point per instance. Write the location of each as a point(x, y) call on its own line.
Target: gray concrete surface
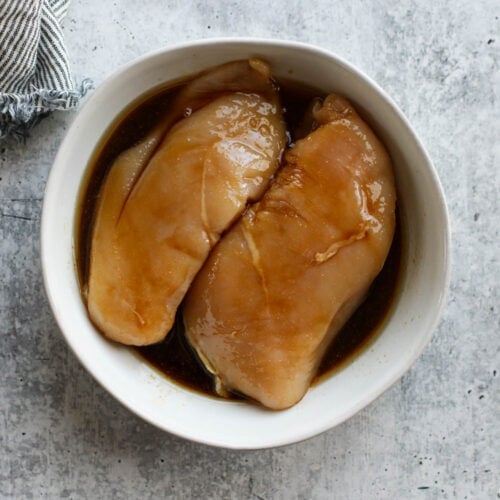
point(435, 434)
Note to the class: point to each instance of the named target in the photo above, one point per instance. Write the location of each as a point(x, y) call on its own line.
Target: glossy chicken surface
point(166, 201)
point(286, 277)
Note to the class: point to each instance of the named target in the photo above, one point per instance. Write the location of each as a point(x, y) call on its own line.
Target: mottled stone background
point(435, 434)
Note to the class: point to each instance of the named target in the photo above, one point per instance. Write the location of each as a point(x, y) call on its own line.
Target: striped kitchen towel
point(34, 72)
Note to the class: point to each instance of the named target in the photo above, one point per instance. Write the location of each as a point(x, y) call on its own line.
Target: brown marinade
point(174, 357)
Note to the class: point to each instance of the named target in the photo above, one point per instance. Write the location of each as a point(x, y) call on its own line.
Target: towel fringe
point(19, 113)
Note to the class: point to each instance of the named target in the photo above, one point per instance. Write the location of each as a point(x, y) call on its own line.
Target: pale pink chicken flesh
point(167, 200)
point(285, 279)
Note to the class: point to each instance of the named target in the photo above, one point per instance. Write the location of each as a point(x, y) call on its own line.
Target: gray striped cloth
point(34, 72)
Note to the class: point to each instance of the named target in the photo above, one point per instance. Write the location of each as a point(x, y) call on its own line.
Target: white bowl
point(405, 333)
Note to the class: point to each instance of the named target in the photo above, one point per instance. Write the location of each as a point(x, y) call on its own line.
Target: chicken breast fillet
point(286, 277)
point(166, 201)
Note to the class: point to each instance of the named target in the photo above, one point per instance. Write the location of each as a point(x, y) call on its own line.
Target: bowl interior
point(232, 424)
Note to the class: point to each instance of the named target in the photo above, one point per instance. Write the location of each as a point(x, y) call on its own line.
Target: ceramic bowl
point(405, 332)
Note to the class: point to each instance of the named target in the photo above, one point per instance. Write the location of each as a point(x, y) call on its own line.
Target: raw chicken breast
point(285, 279)
point(166, 201)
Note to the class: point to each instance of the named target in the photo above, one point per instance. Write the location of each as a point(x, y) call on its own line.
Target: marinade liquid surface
point(174, 357)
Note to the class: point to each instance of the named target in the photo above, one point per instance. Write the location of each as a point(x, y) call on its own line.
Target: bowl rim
point(57, 172)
